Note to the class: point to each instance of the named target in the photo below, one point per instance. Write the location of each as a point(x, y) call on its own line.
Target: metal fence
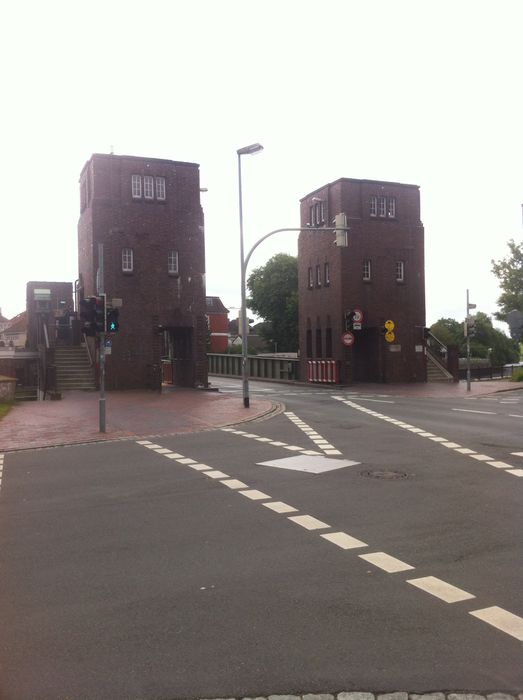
point(258, 367)
point(479, 373)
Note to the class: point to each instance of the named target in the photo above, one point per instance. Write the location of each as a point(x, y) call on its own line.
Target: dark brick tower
point(380, 272)
point(147, 214)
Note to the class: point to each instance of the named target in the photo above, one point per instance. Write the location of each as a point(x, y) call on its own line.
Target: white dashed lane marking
point(495, 616)
point(470, 410)
point(440, 589)
point(316, 438)
point(501, 619)
point(508, 468)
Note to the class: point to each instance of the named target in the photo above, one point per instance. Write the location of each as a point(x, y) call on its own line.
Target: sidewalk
point(131, 414)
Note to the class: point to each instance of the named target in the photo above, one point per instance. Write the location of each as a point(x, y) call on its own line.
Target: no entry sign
point(347, 338)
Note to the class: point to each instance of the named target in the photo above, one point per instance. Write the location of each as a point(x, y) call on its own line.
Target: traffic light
point(470, 327)
point(349, 320)
point(99, 314)
point(87, 310)
point(340, 226)
point(112, 322)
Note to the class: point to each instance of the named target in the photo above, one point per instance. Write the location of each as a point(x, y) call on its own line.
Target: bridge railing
point(259, 366)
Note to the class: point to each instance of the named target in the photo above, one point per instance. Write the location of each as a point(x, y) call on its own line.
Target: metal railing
point(258, 367)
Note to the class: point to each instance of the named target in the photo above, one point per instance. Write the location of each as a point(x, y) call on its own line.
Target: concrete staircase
point(73, 370)
point(435, 370)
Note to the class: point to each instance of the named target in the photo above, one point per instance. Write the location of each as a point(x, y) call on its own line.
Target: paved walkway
point(75, 419)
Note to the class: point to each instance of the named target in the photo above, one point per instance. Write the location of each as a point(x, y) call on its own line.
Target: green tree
point(448, 331)
point(274, 297)
point(509, 272)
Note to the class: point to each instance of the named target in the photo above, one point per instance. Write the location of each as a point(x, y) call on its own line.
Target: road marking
point(481, 458)
point(501, 619)
point(517, 454)
point(163, 451)
point(465, 451)
point(384, 561)
point(152, 446)
point(515, 472)
point(308, 522)
point(312, 434)
point(440, 589)
point(469, 410)
point(254, 494)
point(200, 467)
point(451, 445)
point(316, 464)
point(292, 448)
point(341, 539)
point(143, 442)
point(263, 439)
point(216, 474)
point(500, 465)
point(438, 439)
point(280, 507)
point(186, 460)
point(234, 484)
point(514, 415)
point(173, 455)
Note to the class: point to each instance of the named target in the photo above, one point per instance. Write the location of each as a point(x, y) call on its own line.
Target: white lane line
point(312, 434)
point(481, 458)
point(441, 589)
point(500, 465)
point(216, 474)
point(280, 507)
point(469, 410)
point(514, 415)
point(341, 539)
point(384, 561)
point(308, 522)
point(186, 460)
point(515, 472)
point(263, 439)
point(152, 446)
point(451, 445)
point(254, 494)
point(200, 467)
point(163, 451)
point(438, 439)
point(143, 442)
point(292, 448)
point(501, 619)
point(234, 483)
point(465, 451)
point(517, 454)
point(174, 455)
point(364, 398)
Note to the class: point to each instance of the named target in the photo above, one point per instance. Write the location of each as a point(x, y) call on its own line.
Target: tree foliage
point(509, 272)
point(486, 342)
point(274, 297)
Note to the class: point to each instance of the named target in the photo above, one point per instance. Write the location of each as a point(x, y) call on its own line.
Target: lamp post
point(246, 150)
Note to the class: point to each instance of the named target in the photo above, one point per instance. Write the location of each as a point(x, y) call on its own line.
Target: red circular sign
point(347, 338)
point(358, 316)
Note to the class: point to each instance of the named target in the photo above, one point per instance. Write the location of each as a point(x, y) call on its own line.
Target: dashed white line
point(500, 465)
point(234, 483)
point(384, 561)
point(517, 454)
point(481, 458)
point(441, 589)
point(173, 455)
point(280, 507)
point(470, 410)
point(341, 539)
point(308, 522)
point(501, 619)
point(216, 474)
point(254, 494)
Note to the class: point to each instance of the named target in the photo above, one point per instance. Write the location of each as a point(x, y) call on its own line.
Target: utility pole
point(467, 335)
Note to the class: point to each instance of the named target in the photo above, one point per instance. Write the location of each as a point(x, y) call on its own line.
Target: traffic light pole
point(100, 284)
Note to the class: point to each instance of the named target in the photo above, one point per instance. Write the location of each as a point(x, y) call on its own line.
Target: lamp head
point(249, 150)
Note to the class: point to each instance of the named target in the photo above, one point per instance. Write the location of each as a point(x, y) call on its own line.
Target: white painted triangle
point(310, 464)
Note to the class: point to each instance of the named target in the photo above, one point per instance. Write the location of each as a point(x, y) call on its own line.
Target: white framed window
point(400, 271)
point(160, 188)
point(148, 187)
point(318, 275)
point(172, 262)
point(366, 270)
point(136, 186)
point(382, 206)
point(391, 207)
point(326, 275)
point(311, 215)
point(127, 260)
point(373, 206)
point(311, 278)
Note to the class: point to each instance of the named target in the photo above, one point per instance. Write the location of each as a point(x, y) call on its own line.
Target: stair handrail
point(91, 362)
point(436, 348)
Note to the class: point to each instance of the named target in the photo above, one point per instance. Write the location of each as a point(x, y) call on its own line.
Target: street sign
point(389, 325)
point(347, 338)
point(358, 316)
point(390, 337)
point(356, 326)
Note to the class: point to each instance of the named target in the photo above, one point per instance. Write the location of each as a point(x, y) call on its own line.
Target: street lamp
point(246, 150)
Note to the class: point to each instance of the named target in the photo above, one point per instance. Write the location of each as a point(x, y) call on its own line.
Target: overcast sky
point(423, 92)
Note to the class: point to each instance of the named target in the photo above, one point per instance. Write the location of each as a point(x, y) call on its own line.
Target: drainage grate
point(388, 474)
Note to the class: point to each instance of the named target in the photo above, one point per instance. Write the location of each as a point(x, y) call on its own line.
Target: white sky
point(417, 91)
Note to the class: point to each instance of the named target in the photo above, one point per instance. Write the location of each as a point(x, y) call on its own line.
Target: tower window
point(373, 206)
point(366, 270)
point(172, 262)
point(326, 275)
point(391, 207)
point(382, 206)
point(400, 271)
point(136, 186)
point(318, 275)
point(311, 279)
point(127, 260)
point(160, 188)
point(148, 188)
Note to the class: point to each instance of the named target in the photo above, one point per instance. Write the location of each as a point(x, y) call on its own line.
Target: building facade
point(141, 241)
point(218, 322)
point(379, 274)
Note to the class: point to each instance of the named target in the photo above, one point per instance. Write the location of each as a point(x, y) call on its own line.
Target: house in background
point(15, 333)
point(218, 320)
point(380, 274)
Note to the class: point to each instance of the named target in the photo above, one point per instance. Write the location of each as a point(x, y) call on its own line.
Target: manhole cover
point(388, 474)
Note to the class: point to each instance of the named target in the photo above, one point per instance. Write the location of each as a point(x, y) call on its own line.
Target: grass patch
point(4, 408)
point(517, 375)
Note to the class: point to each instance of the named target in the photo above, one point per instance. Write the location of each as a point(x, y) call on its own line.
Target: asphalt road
point(131, 570)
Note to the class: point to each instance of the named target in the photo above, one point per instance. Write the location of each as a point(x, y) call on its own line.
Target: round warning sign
point(389, 325)
point(390, 337)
